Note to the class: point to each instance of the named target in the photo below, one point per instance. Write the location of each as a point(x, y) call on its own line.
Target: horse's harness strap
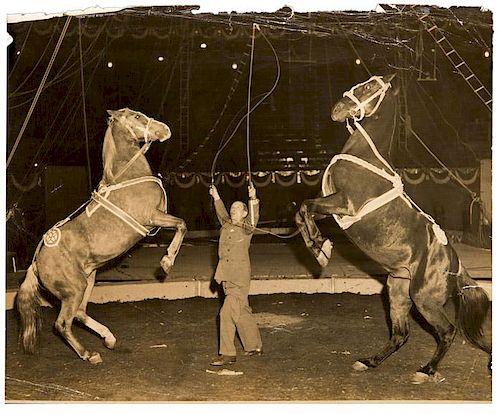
point(139, 153)
point(394, 178)
point(397, 191)
point(124, 216)
point(101, 198)
point(143, 149)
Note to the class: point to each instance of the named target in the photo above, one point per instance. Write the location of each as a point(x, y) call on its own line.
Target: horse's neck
point(117, 152)
point(380, 128)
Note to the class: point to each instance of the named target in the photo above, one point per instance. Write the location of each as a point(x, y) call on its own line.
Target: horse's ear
point(389, 78)
point(111, 112)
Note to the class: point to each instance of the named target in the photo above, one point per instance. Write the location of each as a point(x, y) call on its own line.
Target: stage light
point(203, 46)
point(161, 58)
point(234, 66)
point(358, 61)
point(110, 64)
point(486, 54)
point(35, 164)
point(18, 52)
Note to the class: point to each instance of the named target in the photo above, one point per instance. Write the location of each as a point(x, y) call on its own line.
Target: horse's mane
point(108, 152)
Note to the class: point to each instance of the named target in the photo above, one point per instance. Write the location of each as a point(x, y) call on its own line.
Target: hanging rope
point(249, 98)
point(87, 150)
point(39, 91)
point(252, 109)
point(473, 195)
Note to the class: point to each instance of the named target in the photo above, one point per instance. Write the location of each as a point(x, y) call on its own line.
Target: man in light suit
point(233, 272)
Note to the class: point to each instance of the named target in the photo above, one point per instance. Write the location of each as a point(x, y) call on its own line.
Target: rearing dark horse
point(129, 203)
point(366, 197)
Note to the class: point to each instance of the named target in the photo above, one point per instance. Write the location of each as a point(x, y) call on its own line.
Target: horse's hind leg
point(71, 298)
point(83, 317)
point(320, 247)
point(400, 305)
point(168, 221)
point(432, 309)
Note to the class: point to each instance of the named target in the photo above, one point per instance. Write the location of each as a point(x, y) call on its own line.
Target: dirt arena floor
point(310, 342)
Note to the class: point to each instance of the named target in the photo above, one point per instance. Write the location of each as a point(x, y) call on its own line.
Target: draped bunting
point(467, 175)
point(287, 178)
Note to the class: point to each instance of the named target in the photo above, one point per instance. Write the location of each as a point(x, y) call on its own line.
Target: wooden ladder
point(456, 60)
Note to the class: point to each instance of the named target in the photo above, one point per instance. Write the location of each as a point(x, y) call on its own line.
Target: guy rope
point(251, 109)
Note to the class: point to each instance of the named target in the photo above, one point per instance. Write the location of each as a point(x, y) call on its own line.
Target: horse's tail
point(28, 306)
point(473, 306)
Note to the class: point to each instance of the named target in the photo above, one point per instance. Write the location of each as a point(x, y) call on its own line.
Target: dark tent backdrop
point(191, 71)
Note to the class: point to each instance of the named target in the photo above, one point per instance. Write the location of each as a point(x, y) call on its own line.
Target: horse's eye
point(137, 116)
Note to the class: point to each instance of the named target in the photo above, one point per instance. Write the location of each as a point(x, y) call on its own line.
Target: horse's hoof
point(359, 367)
point(325, 253)
point(95, 358)
point(420, 377)
point(110, 342)
point(166, 263)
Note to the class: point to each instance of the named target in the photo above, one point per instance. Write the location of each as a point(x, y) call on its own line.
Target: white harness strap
point(101, 199)
point(142, 150)
point(124, 216)
point(397, 191)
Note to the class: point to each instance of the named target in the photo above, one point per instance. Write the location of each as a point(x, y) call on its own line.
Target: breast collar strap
point(100, 197)
point(396, 192)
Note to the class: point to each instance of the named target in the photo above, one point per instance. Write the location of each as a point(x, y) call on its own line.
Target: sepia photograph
point(250, 203)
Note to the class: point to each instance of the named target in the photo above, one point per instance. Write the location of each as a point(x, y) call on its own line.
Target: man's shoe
point(256, 352)
point(224, 360)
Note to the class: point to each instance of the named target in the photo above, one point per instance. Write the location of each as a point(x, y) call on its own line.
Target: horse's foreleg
point(168, 221)
point(400, 305)
point(312, 209)
point(83, 317)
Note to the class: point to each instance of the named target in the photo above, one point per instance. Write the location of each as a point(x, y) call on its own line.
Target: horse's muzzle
point(339, 112)
point(165, 137)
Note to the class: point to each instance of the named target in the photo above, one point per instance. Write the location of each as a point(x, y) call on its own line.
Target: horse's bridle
point(360, 105)
point(144, 130)
point(143, 149)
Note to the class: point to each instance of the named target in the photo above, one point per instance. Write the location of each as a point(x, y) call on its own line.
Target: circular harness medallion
point(52, 237)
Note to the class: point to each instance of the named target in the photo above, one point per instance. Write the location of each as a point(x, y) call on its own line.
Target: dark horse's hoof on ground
point(166, 263)
point(325, 253)
point(359, 366)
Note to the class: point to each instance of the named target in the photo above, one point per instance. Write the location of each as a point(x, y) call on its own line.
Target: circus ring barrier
point(429, 187)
